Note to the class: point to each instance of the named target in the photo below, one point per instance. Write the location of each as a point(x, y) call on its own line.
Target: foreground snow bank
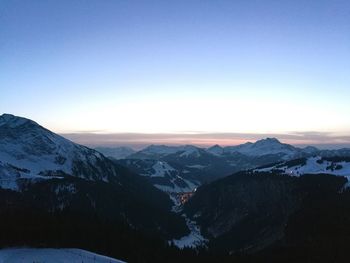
point(51, 255)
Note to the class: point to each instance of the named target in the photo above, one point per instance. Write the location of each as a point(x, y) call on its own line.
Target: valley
point(174, 131)
point(192, 203)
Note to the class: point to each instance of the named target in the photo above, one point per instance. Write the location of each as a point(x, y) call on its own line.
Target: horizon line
point(140, 140)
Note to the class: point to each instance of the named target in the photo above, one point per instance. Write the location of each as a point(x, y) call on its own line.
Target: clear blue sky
point(177, 66)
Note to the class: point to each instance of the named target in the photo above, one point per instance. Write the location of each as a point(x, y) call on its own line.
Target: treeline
point(319, 231)
point(30, 227)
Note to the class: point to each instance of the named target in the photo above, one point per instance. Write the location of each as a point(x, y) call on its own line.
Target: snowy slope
point(160, 169)
point(29, 151)
point(183, 168)
point(50, 255)
point(162, 175)
point(312, 165)
point(189, 150)
point(193, 239)
point(185, 186)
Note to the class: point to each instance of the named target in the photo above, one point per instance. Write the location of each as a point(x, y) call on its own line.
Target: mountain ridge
point(37, 162)
point(35, 152)
point(194, 166)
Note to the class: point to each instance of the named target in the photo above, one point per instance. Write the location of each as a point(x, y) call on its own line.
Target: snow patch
point(161, 169)
point(193, 239)
point(176, 188)
point(51, 255)
point(313, 165)
point(196, 166)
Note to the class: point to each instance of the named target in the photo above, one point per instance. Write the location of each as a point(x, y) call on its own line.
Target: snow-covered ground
point(178, 189)
point(193, 239)
point(177, 184)
point(263, 147)
point(51, 255)
point(29, 151)
point(197, 166)
point(160, 169)
point(313, 165)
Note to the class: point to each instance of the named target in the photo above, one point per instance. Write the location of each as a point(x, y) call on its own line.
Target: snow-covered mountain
point(162, 175)
point(51, 173)
point(262, 147)
point(192, 165)
point(190, 151)
point(159, 151)
point(29, 151)
point(216, 150)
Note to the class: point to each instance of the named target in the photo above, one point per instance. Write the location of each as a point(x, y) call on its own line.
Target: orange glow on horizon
point(138, 141)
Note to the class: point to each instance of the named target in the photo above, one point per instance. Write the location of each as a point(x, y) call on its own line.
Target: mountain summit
point(268, 146)
point(14, 121)
point(29, 151)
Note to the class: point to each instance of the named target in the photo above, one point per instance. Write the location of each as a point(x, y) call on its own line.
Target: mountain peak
point(14, 121)
point(269, 140)
point(264, 147)
point(215, 146)
point(159, 149)
point(216, 149)
point(28, 150)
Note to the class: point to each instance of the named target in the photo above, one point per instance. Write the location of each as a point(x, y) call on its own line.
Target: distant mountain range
point(253, 201)
point(115, 152)
point(176, 169)
point(263, 147)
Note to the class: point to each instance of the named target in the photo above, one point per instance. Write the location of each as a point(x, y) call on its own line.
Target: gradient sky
point(178, 67)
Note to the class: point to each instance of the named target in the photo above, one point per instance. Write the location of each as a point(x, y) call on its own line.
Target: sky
point(179, 71)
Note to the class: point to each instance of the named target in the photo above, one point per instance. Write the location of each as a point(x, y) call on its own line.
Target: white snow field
point(52, 255)
point(193, 239)
point(313, 165)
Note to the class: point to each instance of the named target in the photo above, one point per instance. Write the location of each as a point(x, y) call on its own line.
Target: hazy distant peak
point(263, 147)
point(116, 152)
point(268, 141)
point(310, 149)
point(189, 147)
point(160, 149)
point(216, 149)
